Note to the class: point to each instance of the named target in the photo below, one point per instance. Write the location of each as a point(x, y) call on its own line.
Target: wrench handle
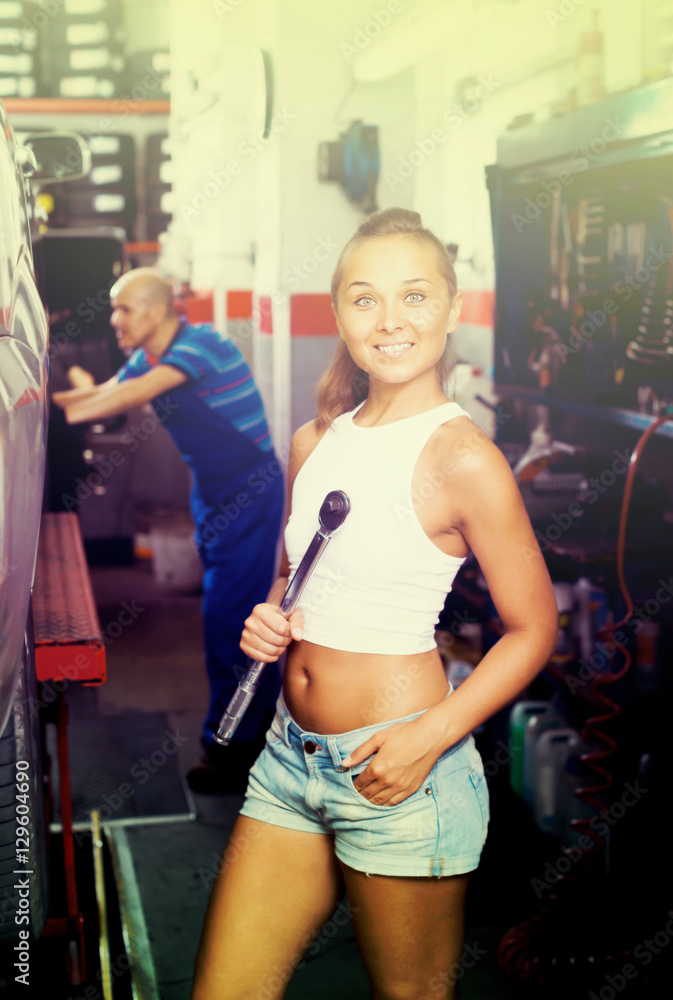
point(236, 708)
point(332, 514)
point(247, 687)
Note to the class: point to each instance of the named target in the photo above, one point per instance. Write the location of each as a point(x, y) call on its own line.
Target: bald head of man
point(142, 311)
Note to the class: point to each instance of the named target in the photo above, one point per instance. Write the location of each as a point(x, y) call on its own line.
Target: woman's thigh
point(410, 933)
point(275, 889)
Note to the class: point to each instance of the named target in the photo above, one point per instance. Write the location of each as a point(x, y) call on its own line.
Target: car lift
point(69, 648)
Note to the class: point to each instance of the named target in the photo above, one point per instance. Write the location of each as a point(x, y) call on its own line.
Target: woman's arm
point(485, 506)
point(488, 511)
point(267, 632)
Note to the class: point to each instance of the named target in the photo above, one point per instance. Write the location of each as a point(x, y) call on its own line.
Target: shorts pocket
point(352, 774)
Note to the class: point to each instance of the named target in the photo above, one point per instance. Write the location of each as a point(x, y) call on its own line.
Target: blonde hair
point(345, 385)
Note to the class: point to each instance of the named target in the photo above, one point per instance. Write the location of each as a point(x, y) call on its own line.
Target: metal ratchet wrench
point(331, 516)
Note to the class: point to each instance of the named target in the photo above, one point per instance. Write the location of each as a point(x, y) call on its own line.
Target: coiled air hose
point(530, 953)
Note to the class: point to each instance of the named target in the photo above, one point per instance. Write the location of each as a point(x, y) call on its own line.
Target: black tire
point(7, 795)
point(20, 743)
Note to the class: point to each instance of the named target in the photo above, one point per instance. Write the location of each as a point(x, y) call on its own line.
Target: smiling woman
point(370, 772)
point(416, 288)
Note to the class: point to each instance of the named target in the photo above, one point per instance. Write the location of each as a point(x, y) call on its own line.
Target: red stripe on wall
point(265, 314)
point(312, 316)
point(198, 307)
point(478, 307)
point(239, 304)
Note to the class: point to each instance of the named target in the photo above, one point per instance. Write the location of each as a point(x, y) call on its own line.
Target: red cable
point(592, 733)
point(520, 952)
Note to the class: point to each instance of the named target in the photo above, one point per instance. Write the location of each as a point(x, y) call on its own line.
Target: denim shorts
point(298, 782)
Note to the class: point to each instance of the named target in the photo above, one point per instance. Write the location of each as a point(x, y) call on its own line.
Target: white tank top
point(381, 583)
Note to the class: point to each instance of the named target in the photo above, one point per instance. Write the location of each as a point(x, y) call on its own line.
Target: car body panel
point(24, 337)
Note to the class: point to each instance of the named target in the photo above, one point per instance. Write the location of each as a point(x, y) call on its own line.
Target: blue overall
point(217, 421)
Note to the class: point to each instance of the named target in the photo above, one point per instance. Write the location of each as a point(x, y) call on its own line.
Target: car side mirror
point(59, 156)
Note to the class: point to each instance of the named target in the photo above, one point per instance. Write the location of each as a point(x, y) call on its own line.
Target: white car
point(23, 424)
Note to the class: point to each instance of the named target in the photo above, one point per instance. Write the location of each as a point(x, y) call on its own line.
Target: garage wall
point(482, 66)
point(251, 213)
point(441, 81)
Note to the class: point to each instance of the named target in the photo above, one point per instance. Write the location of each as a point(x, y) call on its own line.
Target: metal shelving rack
point(612, 414)
point(530, 160)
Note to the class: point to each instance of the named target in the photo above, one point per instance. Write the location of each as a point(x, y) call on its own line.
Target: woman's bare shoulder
point(460, 445)
point(473, 469)
point(303, 442)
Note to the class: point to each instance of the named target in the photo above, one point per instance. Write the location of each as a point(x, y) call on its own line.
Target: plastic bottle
point(582, 622)
point(535, 729)
point(565, 600)
point(519, 718)
point(591, 612)
point(551, 752)
point(646, 657)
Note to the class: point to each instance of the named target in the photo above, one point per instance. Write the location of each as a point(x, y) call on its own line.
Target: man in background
point(216, 418)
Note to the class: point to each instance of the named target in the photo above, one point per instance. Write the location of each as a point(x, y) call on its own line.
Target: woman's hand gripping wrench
point(331, 516)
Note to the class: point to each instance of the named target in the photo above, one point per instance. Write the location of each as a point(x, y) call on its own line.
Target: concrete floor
point(156, 664)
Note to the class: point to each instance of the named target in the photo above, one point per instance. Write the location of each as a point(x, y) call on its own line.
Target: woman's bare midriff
point(332, 691)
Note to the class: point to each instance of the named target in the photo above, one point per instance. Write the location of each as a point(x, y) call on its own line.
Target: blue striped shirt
point(217, 421)
point(219, 374)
